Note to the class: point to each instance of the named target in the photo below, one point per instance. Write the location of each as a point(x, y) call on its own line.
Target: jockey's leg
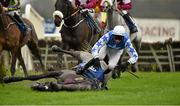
point(129, 21)
point(114, 57)
point(24, 27)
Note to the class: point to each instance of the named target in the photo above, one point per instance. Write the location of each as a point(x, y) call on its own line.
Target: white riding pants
point(113, 54)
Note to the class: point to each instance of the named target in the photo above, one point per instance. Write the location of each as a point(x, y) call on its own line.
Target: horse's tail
point(33, 47)
point(33, 43)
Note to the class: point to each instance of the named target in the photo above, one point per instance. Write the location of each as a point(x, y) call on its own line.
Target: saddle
point(23, 27)
point(19, 22)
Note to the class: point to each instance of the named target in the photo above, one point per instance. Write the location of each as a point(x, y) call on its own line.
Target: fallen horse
point(84, 76)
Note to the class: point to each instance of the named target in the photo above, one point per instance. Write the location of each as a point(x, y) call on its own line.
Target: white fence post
point(156, 57)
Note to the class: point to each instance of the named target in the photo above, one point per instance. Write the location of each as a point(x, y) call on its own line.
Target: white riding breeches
point(113, 55)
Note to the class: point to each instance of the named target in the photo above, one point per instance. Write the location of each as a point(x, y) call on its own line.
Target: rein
point(65, 18)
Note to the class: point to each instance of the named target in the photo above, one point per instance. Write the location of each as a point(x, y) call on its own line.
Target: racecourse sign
point(159, 30)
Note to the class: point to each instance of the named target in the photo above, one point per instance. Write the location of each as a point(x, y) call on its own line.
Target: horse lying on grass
point(82, 77)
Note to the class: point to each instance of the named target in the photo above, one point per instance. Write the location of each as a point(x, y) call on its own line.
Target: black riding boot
point(93, 22)
point(131, 25)
point(22, 25)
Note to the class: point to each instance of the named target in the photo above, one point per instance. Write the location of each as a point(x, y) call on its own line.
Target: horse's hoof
point(55, 48)
point(39, 87)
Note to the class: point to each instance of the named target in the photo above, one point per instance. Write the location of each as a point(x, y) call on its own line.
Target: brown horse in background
point(12, 39)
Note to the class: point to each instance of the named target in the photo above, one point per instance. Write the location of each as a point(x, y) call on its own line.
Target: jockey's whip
point(133, 74)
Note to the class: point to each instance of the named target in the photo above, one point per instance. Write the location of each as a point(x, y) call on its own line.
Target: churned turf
point(150, 89)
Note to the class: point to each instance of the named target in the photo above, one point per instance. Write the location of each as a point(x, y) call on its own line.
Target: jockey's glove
point(124, 66)
point(79, 72)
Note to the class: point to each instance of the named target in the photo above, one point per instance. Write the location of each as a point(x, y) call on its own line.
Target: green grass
point(151, 88)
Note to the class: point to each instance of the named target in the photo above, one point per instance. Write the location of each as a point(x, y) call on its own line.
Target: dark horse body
point(75, 31)
point(12, 39)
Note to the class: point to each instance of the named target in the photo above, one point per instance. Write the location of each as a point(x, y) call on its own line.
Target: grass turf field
point(150, 89)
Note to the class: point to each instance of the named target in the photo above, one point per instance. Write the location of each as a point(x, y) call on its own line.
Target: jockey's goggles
point(118, 37)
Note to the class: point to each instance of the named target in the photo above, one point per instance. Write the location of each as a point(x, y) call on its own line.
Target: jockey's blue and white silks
point(95, 73)
point(92, 72)
point(107, 40)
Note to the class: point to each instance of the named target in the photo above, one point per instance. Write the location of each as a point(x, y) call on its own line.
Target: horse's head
point(63, 9)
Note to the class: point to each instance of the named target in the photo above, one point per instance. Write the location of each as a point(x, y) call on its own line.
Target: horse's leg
point(19, 56)
point(2, 73)
point(75, 54)
point(136, 39)
point(60, 55)
point(13, 62)
point(137, 44)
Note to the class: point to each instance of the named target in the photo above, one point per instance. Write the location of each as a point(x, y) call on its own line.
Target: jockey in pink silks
point(124, 6)
point(90, 5)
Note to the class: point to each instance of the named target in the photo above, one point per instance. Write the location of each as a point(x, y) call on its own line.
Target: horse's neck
point(70, 21)
point(114, 19)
